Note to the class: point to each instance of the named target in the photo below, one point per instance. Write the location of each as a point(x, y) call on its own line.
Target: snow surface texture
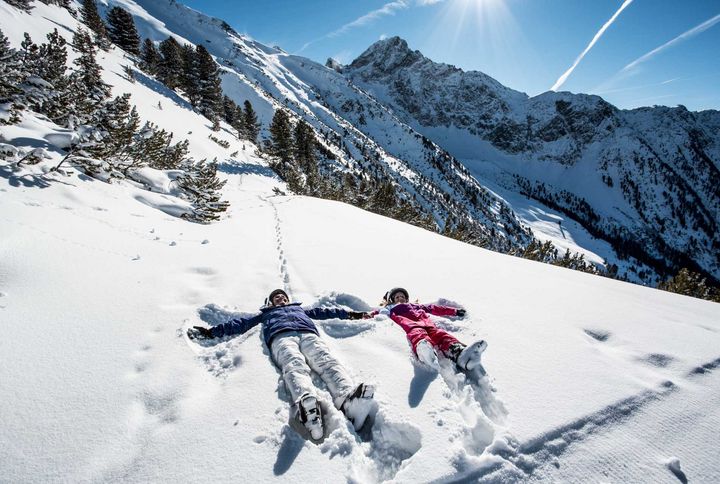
point(589, 378)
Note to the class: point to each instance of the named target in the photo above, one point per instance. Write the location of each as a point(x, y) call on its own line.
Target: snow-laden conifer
point(170, 70)
point(202, 186)
point(250, 124)
point(150, 57)
point(122, 30)
point(94, 22)
point(25, 5)
point(208, 84)
point(281, 136)
point(88, 86)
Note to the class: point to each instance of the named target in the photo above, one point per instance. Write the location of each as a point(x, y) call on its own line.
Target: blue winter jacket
point(277, 319)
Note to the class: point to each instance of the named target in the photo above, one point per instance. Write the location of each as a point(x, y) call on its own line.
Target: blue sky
point(631, 52)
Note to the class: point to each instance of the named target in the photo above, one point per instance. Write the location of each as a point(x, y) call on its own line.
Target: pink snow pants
point(417, 331)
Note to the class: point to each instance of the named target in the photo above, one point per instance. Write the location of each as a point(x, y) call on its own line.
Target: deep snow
point(589, 378)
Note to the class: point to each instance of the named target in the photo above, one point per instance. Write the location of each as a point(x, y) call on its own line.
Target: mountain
point(645, 180)
point(589, 378)
point(361, 135)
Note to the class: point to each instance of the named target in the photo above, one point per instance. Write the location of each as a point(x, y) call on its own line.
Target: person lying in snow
point(424, 337)
point(296, 347)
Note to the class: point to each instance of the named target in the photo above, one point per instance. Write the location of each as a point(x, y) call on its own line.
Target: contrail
point(694, 31)
point(599, 34)
point(388, 9)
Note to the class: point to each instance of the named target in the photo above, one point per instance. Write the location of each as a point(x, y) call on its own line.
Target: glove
point(198, 332)
point(460, 313)
point(356, 315)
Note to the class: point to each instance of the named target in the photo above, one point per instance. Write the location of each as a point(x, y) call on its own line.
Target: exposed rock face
point(647, 179)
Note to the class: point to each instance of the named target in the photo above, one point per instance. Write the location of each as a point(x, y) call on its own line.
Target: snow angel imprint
point(297, 349)
point(426, 339)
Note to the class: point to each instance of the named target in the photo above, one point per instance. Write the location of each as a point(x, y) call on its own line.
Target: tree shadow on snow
point(162, 89)
point(419, 384)
point(27, 180)
point(245, 169)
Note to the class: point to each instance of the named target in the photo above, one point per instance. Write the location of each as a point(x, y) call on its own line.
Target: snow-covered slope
point(98, 385)
point(589, 378)
point(360, 132)
point(645, 180)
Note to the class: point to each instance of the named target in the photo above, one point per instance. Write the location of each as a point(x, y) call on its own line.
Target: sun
point(486, 21)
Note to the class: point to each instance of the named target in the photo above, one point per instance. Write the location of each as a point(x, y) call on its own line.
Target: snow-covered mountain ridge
point(578, 156)
point(272, 79)
point(647, 180)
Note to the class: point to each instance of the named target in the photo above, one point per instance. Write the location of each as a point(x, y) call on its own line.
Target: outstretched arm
point(436, 310)
point(235, 326)
point(323, 313)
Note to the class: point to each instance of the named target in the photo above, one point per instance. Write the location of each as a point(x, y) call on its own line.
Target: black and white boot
point(467, 357)
point(310, 415)
point(358, 405)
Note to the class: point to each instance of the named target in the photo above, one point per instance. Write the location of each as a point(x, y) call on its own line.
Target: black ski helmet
point(390, 295)
point(268, 300)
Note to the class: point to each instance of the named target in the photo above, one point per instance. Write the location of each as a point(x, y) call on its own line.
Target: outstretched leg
point(440, 338)
point(355, 401)
point(286, 353)
point(329, 368)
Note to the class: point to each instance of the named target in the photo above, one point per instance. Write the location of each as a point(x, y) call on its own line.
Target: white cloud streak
point(561, 80)
point(684, 36)
point(388, 9)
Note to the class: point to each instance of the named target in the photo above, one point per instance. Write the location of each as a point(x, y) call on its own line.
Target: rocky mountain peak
point(333, 64)
point(387, 55)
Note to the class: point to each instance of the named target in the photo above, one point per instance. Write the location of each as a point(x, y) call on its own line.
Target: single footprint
point(598, 334)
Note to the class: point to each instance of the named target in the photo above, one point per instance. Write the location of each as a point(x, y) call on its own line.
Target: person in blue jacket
point(296, 348)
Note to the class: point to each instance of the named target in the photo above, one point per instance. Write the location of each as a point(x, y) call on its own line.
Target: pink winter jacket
point(410, 315)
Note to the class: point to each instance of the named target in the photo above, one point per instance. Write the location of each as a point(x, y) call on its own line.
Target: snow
point(589, 378)
point(104, 388)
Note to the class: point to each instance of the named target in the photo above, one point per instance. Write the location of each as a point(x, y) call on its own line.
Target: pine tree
point(175, 154)
point(53, 59)
point(190, 76)
point(171, 66)
point(116, 122)
point(122, 30)
point(150, 57)
point(30, 55)
point(94, 22)
point(209, 90)
point(88, 87)
point(250, 125)
point(54, 99)
point(304, 150)
point(691, 284)
point(11, 76)
point(150, 145)
point(60, 3)
point(24, 5)
point(230, 111)
point(281, 136)
point(202, 187)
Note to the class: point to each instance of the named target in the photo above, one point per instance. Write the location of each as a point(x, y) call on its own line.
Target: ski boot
point(467, 357)
point(358, 405)
point(310, 415)
point(426, 354)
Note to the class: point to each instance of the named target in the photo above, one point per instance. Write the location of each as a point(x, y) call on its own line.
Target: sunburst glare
point(485, 27)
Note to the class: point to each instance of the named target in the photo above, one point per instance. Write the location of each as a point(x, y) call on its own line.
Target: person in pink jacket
point(424, 337)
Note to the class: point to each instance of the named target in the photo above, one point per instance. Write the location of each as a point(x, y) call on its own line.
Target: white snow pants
point(296, 353)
